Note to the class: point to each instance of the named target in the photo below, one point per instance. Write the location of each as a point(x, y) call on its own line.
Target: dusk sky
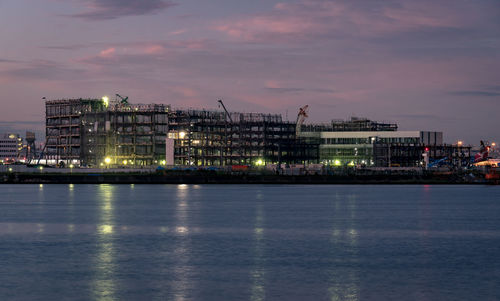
point(426, 64)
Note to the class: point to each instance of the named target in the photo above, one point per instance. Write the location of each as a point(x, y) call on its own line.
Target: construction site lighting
point(259, 162)
point(107, 160)
point(105, 100)
point(337, 163)
point(163, 162)
point(71, 166)
point(182, 135)
point(124, 162)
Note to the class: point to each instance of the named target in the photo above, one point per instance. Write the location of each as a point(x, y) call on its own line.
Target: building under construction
point(97, 132)
point(100, 132)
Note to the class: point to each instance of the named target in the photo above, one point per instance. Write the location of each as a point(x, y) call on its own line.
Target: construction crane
point(223, 106)
point(240, 151)
point(124, 100)
point(301, 117)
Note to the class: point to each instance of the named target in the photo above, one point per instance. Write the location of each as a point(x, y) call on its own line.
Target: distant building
point(10, 146)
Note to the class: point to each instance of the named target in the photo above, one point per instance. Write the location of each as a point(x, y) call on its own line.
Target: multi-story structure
point(10, 146)
point(215, 138)
point(360, 141)
point(96, 132)
point(64, 126)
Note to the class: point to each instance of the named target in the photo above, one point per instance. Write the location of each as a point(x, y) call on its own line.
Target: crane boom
point(301, 117)
point(223, 106)
point(124, 100)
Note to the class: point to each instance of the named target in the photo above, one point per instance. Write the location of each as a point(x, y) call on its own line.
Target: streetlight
point(460, 142)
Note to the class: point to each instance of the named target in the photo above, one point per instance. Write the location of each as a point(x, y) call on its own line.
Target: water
point(249, 242)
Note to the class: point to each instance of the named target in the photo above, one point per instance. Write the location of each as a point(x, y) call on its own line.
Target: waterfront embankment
point(147, 176)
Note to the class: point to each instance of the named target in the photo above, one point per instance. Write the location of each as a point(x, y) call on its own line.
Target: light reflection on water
point(104, 265)
point(258, 273)
point(344, 283)
point(182, 270)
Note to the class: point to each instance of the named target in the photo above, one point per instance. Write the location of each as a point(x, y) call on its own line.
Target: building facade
point(354, 148)
point(10, 147)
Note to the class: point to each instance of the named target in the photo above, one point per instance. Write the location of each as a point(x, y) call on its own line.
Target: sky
point(426, 65)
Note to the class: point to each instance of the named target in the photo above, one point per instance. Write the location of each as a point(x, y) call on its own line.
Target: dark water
point(239, 242)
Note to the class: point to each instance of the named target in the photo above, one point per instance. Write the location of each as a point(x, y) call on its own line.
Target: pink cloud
point(272, 84)
point(155, 49)
point(310, 18)
point(109, 52)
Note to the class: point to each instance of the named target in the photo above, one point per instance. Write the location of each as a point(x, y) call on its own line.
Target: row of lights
point(108, 160)
point(460, 143)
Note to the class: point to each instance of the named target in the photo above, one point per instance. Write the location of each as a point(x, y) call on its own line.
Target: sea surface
point(249, 242)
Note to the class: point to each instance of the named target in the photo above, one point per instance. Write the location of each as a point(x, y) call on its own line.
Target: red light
point(426, 149)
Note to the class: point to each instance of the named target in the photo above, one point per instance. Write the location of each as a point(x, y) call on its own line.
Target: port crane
point(301, 117)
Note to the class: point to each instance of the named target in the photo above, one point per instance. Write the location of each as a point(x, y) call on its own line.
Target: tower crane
point(240, 151)
point(301, 117)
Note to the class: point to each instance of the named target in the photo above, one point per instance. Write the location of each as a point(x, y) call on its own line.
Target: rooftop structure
point(355, 124)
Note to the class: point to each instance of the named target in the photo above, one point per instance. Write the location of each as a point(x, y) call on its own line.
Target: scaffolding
point(63, 127)
point(97, 133)
point(205, 138)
